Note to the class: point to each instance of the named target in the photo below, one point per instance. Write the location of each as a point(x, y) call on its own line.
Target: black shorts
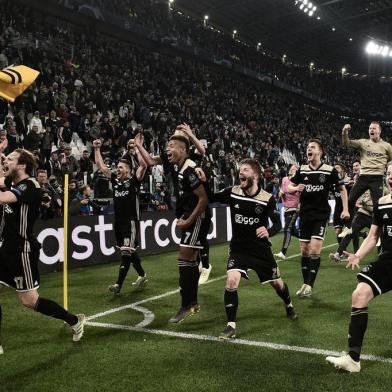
point(378, 275)
point(312, 228)
point(264, 265)
point(338, 222)
point(126, 232)
point(196, 235)
point(20, 269)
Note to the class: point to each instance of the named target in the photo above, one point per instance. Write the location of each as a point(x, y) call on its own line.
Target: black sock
point(313, 269)
point(284, 294)
point(231, 304)
point(356, 331)
point(305, 263)
point(339, 239)
point(124, 268)
point(193, 281)
point(1, 316)
point(187, 289)
point(53, 309)
point(137, 264)
point(286, 241)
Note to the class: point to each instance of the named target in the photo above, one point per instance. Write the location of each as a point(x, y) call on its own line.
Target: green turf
point(40, 356)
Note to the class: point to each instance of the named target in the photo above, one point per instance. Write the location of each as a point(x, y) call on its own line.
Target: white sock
point(231, 324)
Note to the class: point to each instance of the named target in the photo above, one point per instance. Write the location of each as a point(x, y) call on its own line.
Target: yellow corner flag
point(15, 80)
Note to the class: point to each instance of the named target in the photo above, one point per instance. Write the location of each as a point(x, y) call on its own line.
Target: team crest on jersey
point(259, 210)
point(230, 263)
point(322, 178)
point(192, 177)
point(22, 187)
point(126, 185)
point(8, 209)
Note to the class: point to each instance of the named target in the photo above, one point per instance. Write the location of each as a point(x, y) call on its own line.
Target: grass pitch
point(269, 354)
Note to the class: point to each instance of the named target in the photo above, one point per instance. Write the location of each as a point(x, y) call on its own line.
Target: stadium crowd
point(170, 25)
point(93, 87)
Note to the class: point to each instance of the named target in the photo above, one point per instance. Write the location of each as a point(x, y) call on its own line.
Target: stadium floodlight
point(206, 17)
point(318, 18)
point(350, 39)
point(314, 8)
point(333, 29)
point(171, 1)
point(310, 13)
point(373, 48)
point(306, 10)
point(310, 5)
point(344, 70)
point(305, 2)
point(301, 6)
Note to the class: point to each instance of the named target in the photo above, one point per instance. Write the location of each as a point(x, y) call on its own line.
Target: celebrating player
point(314, 181)
point(375, 279)
point(19, 254)
point(375, 153)
point(193, 219)
point(126, 214)
point(250, 248)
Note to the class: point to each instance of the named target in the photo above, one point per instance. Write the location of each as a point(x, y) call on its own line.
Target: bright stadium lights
point(307, 7)
point(234, 33)
point(333, 29)
point(206, 17)
point(350, 39)
point(258, 46)
point(375, 49)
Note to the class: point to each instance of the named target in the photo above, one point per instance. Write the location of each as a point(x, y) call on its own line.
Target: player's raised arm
point(347, 142)
point(148, 159)
point(98, 159)
point(192, 138)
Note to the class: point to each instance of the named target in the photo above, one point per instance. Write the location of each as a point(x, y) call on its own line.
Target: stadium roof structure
point(282, 28)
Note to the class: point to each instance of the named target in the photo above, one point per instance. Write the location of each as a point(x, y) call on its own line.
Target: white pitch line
point(167, 294)
point(243, 342)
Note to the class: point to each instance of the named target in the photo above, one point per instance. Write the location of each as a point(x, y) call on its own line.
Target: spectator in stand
point(69, 164)
point(52, 166)
point(32, 141)
point(65, 133)
point(36, 122)
point(80, 205)
point(85, 168)
point(51, 205)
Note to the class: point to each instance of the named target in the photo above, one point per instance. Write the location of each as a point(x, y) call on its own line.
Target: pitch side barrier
point(91, 238)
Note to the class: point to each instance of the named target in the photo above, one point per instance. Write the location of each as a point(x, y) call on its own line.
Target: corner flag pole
point(65, 264)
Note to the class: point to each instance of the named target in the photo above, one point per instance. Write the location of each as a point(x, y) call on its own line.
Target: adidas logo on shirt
point(385, 216)
point(236, 206)
point(306, 178)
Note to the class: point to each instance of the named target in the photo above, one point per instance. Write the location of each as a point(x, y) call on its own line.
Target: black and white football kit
point(187, 181)
point(19, 254)
point(379, 273)
point(126, 212)
point(314, 207)
point(247, 250)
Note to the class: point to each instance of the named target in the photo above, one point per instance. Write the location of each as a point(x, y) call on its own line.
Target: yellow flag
point(15, 80)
